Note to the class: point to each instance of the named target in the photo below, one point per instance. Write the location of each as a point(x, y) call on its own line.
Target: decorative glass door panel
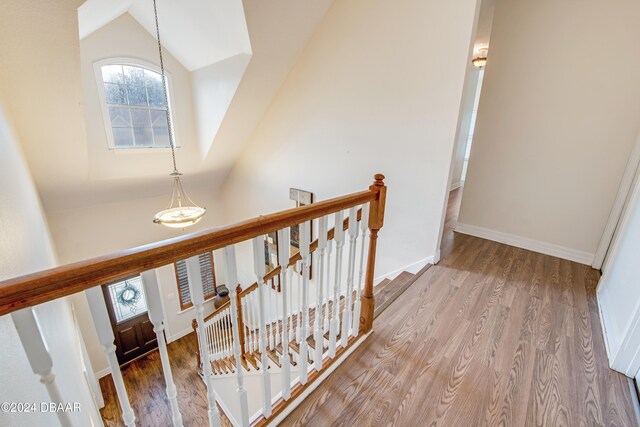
point(127, 306)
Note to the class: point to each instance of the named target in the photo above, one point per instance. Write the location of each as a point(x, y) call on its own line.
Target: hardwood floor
point(492, 335)
point(146, 387)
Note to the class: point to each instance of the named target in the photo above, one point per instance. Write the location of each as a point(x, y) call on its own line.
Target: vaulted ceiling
point(259, 41)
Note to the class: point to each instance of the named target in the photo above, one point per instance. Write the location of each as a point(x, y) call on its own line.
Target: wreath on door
point(129, 296)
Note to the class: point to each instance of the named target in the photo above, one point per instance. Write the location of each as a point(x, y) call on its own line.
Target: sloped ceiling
point(197, 32)
point(277, 31)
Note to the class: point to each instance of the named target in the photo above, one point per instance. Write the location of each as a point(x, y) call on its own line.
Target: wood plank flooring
point(491, 336)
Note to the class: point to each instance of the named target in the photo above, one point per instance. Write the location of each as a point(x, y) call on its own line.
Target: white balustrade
point(291, 305)
point(231, 275)
point(327, 314)
point(102, 323)
point(259, 269)
point(335, 316)
point(156, 315)
point(318, 324)
point(283, 259)
point(306, 258)
point(40, 359)
point(196, 291)
point(348, 297)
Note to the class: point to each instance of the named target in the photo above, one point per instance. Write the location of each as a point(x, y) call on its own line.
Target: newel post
point(376, 220)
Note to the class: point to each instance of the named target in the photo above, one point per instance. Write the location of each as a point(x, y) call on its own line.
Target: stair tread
point(291, 359)
point(386, 295)
point(274, 357)
point(251, 359)
point(294, 345)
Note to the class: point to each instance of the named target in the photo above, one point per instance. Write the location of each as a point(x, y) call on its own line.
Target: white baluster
point(280, 325)
point(231, 274)
point(291, 305)
point(258, 265)
point(156, 315)
point(101, 320)
point(283, 257)
point(225, 330)
point(335, 320)
point(40, 359)
point(254, 319)
point(216, 337)
point(364, 225)
point(196, 291)
point(327, 314)
point(318, 336)
point(347, 316)
point(299, 300)
point(267, 326)
point(274, 311)
point(306, 258)
point(245, 320)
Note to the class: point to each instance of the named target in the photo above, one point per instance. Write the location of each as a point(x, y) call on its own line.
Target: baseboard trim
point(526, 243)
point(103, 372)
point(179, 335)
point(411, 268)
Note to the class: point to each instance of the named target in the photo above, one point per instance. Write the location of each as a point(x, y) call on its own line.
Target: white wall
point(619, 292)
point(378, 89)
point(558, 116)
point(25, 247)
point(125, 38)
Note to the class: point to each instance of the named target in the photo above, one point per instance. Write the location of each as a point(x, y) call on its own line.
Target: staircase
point(287, 322)
point(385, 293)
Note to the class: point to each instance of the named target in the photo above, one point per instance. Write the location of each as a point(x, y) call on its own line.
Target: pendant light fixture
point(182, 212)
point(481, 61)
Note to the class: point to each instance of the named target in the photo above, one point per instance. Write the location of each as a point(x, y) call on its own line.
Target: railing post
point(376, 220)
point(304, 345)
point(259, 267)
point(197, 296)
point(100, 316)
point(236, 317)
point(318, 334)
point(364, 224)
point(154, 305)
point(241, 327)
point(285, 359)
point(39, 357)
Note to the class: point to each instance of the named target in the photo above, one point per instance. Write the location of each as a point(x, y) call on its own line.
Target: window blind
point(208, 279)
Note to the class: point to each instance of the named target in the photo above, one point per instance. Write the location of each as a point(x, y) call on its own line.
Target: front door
point(127, 306)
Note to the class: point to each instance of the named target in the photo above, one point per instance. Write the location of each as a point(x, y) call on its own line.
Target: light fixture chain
point(164, 90)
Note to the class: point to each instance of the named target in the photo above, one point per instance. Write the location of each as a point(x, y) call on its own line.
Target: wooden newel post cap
point(379, 180)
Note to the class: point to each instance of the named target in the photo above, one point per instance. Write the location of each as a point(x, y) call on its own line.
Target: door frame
point(618, 209)
point(113, 322)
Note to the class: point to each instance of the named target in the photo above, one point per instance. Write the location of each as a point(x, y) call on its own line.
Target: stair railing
point(335, 310)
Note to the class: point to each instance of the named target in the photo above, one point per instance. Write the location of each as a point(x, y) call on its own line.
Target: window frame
point(209, 297)
point(104, 108)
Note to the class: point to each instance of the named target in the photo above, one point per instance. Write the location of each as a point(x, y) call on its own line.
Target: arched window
point(133, 104)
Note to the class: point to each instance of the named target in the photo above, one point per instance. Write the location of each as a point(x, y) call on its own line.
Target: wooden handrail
point(218, 310)
point(47, 285)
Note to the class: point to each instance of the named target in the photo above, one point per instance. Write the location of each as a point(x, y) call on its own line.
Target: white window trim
point(97, 72)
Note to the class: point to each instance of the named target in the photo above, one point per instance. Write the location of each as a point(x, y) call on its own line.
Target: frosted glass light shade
point(179, 217)
point(480, 61)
